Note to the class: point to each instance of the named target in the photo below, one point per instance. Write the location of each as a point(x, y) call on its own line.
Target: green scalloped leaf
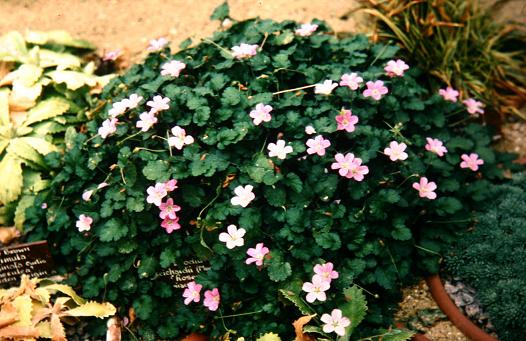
point(46, 109)
point(297, 301)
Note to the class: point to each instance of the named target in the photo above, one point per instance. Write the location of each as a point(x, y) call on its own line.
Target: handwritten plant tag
point(182, 273)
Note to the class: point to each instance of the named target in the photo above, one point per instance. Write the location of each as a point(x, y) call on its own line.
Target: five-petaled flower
point(435, 146)
point(279, 149)
point(212, 299)
point(156, 194)
point(168, 209)
point(146, 121)
point(170, 185)
point(133, 101)
point(326, 271)
point(306, 30)
point(170, 225)
point(179, 138)
point(474, 107)
point(84, 223)
point(172, 68)
point(316, 289)
point(158, 103)
point(335, 322)
point(396, 151)
point(396, 68)
point(108, 127)
point(449, 94)
point(349, 166)
point(375, 90)
point(325, 88)
point(317, 145)
point(309, 130)
point(261, 113)
point(243, 196)
point(346, 120)
point(471, 161)
point(351, 80)
point(157, 44)
point(192, 293)
point(234, 237)
point(425, 188)
point(118, 108)
point(243, 51)
point(257, 254)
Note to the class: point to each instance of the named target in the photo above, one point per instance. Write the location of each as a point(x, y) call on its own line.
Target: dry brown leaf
point(8, 314)
point(18, 333)
point(8, 234)
point(57, 329)
point(298, 328)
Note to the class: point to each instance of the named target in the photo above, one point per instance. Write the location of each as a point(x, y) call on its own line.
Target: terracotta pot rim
point(453, 313)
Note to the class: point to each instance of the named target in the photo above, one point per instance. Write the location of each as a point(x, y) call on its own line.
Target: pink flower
point(180, 139)
point(87, 195)
point(396, 68)
point(352, 80)
point(350, 167)
point(133, 101)
point(157, 44)
point(146, 121)
point(449, 94)
point(168, 209)
point(425, 189)
point(170, 185)
point(117, 109)
point(261, 113)
point(172, 68)
point(108, 127)
point(234, 237)
point(316, 289)
point(396, 151)
point(156, 194)
point(335, 322)
point(227, 23)
point(112, 55)
point(435, 146)
point(84, 223)
point(244, 51)
point(326, 272)
point(325, 88)
point(243, 196)
point(375, 90)
point(192, 292)
point(471, 161)
point(473, 107)
point(317, 145)
point(212, 299)
point(309, 130)
point(306, 30)
point(346, 121)
point(257, 254)
point(158, 103)
point(279, 149)
point(102, 185)
point(170, 225)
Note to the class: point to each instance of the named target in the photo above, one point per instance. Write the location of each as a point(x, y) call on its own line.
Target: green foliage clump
point(491, 257)
point(45, 87)
point(378, 232)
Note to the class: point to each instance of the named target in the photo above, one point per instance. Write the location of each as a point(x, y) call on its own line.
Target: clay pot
point(195, 337)
point(468, 328)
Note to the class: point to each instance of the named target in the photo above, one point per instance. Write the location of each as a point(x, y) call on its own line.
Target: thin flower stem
point(409, 177)
point(202, 240)
point(91, 138)
point(242, 314)
point(131, 333)
point(136, 149)
point(128, 137)
point(367, 291)
point(218, 46)
point(122, 176)
point(167, 138)
point(264, 41)
point(450, 221)
point(430, 251)
point(223, 323)
point(295, 89)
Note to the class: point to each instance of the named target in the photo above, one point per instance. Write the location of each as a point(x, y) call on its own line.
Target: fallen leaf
point(298, 328)
point(8, 234)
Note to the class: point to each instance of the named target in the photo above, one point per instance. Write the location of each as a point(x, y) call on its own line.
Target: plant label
point(182, 273)
point(32, 259)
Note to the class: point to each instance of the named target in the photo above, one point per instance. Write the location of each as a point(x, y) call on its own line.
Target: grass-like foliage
point(460, 44)
point(201, 117)
point(491, 257)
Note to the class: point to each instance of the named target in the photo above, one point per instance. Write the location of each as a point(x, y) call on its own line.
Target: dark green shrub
point(491, 258)
point(378, 232)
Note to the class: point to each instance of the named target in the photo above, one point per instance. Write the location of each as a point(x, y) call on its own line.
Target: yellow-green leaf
point(44, 329)
point(100, 310)
point(73, 79)
point(57, 37)
point(33, 182)
point(4, 107)
point(42, 146)
point(26, 74)
point(11, 188)
point(62, 61)
point(25, 152)
point(20, 212)
point(24, 306)
point(13, 47)
point(48, 108)
point(65, 289)
point(24, 97)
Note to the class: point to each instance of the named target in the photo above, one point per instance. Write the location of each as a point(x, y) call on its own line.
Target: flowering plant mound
point(270, 154)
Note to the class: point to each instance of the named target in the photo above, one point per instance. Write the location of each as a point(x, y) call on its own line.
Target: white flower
point(261, 113)
point(396, 151)
point(306, 30)
point(243, 196)
point(234, 237)
point(335, 322)
point(158, 103)
point(87, 195)
point(133, 101)
point(147, 120)
point(102, 185)
point(309, 130)
point(172, 68)
point(244, 51)
point(316, 289)
point(84, 223)
point(279, 149)
point(227, 23)
point(157, 44)
point(108, 127)
point(325, 88)
point(118, 108)
point(180, 138)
